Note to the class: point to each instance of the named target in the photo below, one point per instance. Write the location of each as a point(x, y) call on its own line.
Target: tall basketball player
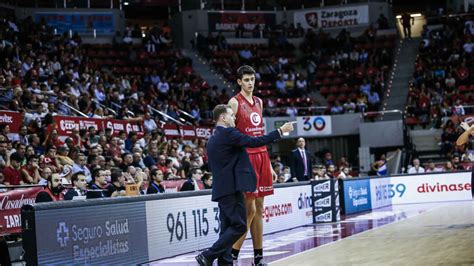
point(249, 120)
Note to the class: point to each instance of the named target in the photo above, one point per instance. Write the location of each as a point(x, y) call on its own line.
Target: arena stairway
point(203, 68)
point(400, 77)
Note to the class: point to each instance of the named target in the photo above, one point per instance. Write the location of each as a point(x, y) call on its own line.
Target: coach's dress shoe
point(203, 261)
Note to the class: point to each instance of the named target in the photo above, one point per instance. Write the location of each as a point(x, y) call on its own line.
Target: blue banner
point(357, 196)
point(80, 22)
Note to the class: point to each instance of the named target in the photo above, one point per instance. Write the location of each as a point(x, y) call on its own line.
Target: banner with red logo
point(11, 118)
point(187, 132)
point(229, 21)
point(65, 124)
point(328, 18)
point(10, 208)
point(127, 126)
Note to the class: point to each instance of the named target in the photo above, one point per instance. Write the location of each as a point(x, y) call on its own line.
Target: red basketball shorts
point(261, 164)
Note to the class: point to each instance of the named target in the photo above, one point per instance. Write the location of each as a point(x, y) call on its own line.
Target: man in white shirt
point(416, 168)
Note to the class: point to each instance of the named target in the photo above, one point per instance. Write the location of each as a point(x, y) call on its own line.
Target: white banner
point(338, 17)
point(181, 225)
point(430, 188)
point(380, 192)
point(312, 126)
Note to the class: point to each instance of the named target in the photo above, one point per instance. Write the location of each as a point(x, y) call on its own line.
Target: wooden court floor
point(441, 236)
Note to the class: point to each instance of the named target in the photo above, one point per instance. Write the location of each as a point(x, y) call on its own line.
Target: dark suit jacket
point(70, 194)
point(230, 163)
point(297, 165)
point(188, 185)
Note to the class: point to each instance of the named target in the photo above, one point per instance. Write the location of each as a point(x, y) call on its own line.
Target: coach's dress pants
point(233, 226)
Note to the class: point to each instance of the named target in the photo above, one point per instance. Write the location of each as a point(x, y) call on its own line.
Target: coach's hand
point(287, 127)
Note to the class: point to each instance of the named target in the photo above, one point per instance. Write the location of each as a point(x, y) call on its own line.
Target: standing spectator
point(407, 21)
point(78, 191)
point(155, 185)
point(416, 168)
point(300, 163)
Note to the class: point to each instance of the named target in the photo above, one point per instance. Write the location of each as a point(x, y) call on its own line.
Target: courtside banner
point(93, 234)
point(430, 187)
point(185, 224)
point(381, 192)
point(356, 195)
point(330, 18)
point(314, 126)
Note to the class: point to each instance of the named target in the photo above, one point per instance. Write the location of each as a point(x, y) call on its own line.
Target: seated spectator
point(99, 182)
point(155, 185)
point(117, 186)
point(80, 165)
point(30, 172)
point(192, 183)
point(337, 108)
point(52, 191)
point(49, 160)
point(207, 180)
point(431, 168)
point(12, 173)
point(79, 189)
point(62, 156)
point(457, 162)
point(373, 98)
point(448, 167)
point(416, 168)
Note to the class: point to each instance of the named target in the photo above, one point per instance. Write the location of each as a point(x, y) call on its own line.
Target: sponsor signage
point(13, 119)
point(80, 22)
point(430, 188)
point(356, 195)
point(124, 232)
point(187, 132)
point(191, 223)
point(380, 192)
point(330, 18)
point(65, 124)
point(229, 21)
point(326, 201)
point(100, 234)
point(10, 208)
point(127, 126)
point(313, 126)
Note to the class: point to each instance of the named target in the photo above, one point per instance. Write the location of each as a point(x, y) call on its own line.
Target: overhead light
point(126, 3)
point(411, 15)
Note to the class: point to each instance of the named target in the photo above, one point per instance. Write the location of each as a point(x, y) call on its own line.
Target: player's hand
point(274, 176)
point(287, 127)
point(465, 126)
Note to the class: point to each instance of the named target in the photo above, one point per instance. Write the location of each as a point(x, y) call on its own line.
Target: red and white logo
point(255, 119)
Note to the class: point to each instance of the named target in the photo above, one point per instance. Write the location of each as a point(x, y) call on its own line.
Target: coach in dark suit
point(232, 175)
point(300, 165)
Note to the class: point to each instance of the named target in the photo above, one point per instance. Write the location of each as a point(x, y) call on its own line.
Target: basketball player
point(249, 120)
point(463, 139)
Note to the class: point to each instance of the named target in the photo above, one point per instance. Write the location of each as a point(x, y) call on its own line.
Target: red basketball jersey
point(249, 119)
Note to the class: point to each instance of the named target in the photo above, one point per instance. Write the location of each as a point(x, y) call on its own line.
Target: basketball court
point(414, 234)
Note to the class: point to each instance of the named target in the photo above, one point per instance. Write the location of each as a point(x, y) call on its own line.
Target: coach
point(232, 175)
